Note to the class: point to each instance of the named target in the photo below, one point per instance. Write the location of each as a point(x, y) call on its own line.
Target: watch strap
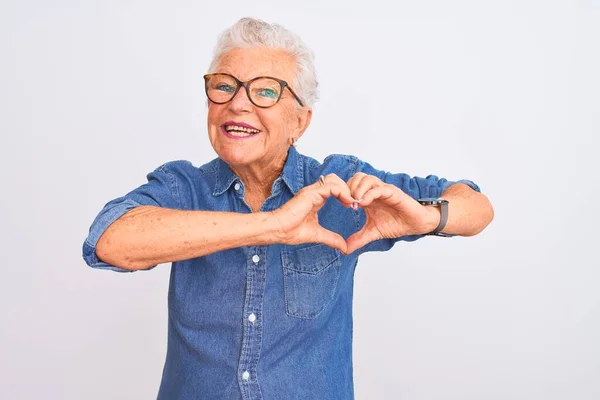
point(443, 206)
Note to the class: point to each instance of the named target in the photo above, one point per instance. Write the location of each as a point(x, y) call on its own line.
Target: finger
point(328, 179)
point(367, 183)
point(334, 186)
point(360, 239)
point(331, 239)
point(382, 193)
point(355, 181)
point(342, 193)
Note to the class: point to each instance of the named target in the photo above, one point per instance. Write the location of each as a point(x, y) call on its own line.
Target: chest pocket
point(310, 277)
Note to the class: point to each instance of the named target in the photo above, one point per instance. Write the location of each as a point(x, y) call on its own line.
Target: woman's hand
point(390, 212)
point(298, 221)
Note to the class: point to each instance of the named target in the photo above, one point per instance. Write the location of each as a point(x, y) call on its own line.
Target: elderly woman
point(264, 241)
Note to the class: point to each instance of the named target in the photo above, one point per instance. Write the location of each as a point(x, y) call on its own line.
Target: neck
point(258, 179)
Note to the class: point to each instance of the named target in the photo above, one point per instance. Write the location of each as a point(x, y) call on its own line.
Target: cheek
point(282, 123)
point(212, 123)
point(214, 118)
point(212, 113)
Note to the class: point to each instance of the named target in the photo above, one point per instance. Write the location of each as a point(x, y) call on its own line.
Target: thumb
point(331, 239)
point(360, 239)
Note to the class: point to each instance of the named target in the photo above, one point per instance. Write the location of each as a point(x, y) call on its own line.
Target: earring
point(294, 141)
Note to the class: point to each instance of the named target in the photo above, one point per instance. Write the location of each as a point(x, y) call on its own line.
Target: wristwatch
point(443, 205)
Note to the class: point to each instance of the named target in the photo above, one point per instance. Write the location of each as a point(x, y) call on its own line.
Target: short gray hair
point(250, 32)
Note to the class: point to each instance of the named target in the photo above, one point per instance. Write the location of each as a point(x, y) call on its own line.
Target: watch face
point(432, 201)
point(427, 202)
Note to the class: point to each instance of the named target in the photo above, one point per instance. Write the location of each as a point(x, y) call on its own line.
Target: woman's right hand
point(298, 221)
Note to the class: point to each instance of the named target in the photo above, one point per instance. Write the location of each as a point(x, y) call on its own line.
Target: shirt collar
point(292, 175)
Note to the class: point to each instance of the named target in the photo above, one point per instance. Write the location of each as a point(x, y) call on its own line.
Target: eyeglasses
point(263, 91)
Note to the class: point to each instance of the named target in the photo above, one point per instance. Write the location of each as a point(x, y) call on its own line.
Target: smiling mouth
point(239, 131)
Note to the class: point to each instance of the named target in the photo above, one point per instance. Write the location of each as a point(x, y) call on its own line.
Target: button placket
point(252, 327)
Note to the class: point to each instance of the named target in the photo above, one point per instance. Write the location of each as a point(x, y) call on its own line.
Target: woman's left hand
point(390, 212)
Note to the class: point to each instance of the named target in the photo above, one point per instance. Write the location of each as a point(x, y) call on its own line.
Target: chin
point(236, 157)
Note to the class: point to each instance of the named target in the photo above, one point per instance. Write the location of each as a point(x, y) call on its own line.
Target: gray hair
point(250, 32)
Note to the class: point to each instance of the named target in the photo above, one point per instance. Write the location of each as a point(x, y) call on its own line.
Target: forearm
point(146, 235)
point(469, 212)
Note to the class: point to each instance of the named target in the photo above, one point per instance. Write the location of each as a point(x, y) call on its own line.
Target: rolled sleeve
point(416, 187)
point(109, 214)
point(467, 182)
point(160, 191)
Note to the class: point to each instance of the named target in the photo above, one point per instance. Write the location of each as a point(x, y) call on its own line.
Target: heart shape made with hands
point(390, 213)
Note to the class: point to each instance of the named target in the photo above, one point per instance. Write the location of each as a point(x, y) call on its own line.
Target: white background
point(94, 95)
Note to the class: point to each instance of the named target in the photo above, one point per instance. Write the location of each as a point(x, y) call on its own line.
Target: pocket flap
point(312, 259)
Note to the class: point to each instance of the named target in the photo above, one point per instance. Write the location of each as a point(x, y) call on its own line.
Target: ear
point(303, 121)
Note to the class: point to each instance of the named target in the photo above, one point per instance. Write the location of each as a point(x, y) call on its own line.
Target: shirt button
point(246, 375)
point(236, 186)
point(255, 258)
point(252, 317)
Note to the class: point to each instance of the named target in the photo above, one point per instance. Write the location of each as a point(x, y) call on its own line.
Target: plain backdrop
point(95, 94)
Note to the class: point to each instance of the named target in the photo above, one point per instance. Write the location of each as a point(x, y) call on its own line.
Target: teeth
point(231, 128)
point(239, 134)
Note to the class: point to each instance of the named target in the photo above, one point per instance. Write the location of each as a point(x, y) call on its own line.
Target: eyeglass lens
point(263, 92)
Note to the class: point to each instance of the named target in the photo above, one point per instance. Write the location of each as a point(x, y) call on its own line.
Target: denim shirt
point(259, 322)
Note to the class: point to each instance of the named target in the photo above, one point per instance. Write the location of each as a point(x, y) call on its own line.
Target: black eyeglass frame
point(246, 85)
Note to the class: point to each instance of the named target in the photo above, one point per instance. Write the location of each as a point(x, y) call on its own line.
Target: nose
point(240, 102)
